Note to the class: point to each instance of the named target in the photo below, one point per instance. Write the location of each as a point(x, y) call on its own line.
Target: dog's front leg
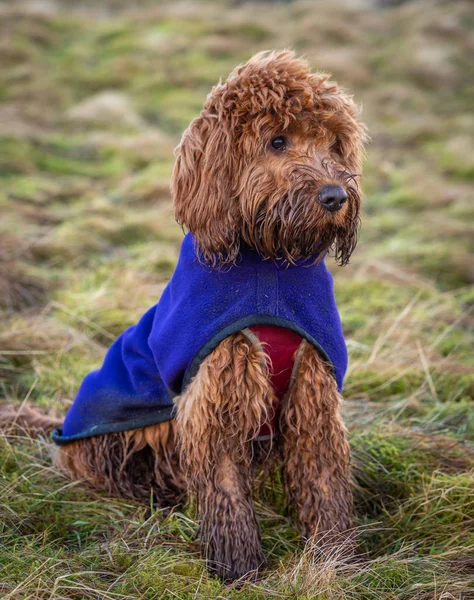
point(317, 455)
point(219, 414)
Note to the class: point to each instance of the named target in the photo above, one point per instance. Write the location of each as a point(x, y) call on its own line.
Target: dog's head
point(274, 161)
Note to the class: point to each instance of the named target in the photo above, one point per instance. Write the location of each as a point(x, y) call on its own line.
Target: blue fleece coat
point(154, 360)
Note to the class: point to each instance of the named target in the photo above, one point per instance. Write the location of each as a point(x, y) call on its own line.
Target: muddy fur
point(219, 416)
point(316, 451)
point(142, 464)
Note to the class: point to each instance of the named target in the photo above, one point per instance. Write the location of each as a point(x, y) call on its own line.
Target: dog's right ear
point(203, 190)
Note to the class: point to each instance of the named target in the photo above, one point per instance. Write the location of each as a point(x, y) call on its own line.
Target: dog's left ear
point(203, 190)
point(342, 118)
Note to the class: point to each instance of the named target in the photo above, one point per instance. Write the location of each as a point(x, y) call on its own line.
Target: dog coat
point(154, 360)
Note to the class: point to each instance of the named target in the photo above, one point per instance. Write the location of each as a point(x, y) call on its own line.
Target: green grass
point(92, 104)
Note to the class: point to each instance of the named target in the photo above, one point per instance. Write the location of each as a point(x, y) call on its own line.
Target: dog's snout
point(332, 197)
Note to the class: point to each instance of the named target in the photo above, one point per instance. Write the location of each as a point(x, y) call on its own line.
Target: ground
point(92, 103)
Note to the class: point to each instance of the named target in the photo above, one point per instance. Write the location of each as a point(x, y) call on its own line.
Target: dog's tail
point(26, 419)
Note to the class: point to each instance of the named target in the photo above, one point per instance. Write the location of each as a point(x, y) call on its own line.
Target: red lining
point(281, 346)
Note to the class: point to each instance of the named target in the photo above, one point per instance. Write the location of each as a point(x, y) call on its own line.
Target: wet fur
point(260, 197)
point(230, 188)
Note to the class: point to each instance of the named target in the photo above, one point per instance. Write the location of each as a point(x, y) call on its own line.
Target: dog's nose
point(332, 197)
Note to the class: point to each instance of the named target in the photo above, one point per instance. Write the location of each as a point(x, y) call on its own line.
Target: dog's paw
point(239, 570)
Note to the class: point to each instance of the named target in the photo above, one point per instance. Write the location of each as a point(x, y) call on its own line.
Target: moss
point(149, 184)
point(178, 107)
point(385, 469)
point(57, 156)
point(15, 157)
point(454, 160)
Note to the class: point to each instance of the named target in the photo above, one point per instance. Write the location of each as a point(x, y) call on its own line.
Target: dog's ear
point(342, 118)
point(203, 189)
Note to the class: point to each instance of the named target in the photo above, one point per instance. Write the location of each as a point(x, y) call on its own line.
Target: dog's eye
point(279, 143)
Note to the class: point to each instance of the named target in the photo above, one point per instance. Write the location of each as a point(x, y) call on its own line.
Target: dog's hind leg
point(219, 415)
point(316, 454)
point(141, 464)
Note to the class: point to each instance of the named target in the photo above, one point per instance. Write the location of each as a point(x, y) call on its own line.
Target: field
point(92, 102)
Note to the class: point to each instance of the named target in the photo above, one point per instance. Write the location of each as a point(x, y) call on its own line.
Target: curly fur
point(316, 452)
point(219, 416)
point(139, 464)
point(230, 188)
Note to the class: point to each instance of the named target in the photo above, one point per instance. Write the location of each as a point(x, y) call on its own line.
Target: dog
point(243, 358)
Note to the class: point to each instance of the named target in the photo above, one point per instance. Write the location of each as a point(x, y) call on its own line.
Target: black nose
point(332, 197)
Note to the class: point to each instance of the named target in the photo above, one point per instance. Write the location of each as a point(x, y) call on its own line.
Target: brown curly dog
point(270, 166)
